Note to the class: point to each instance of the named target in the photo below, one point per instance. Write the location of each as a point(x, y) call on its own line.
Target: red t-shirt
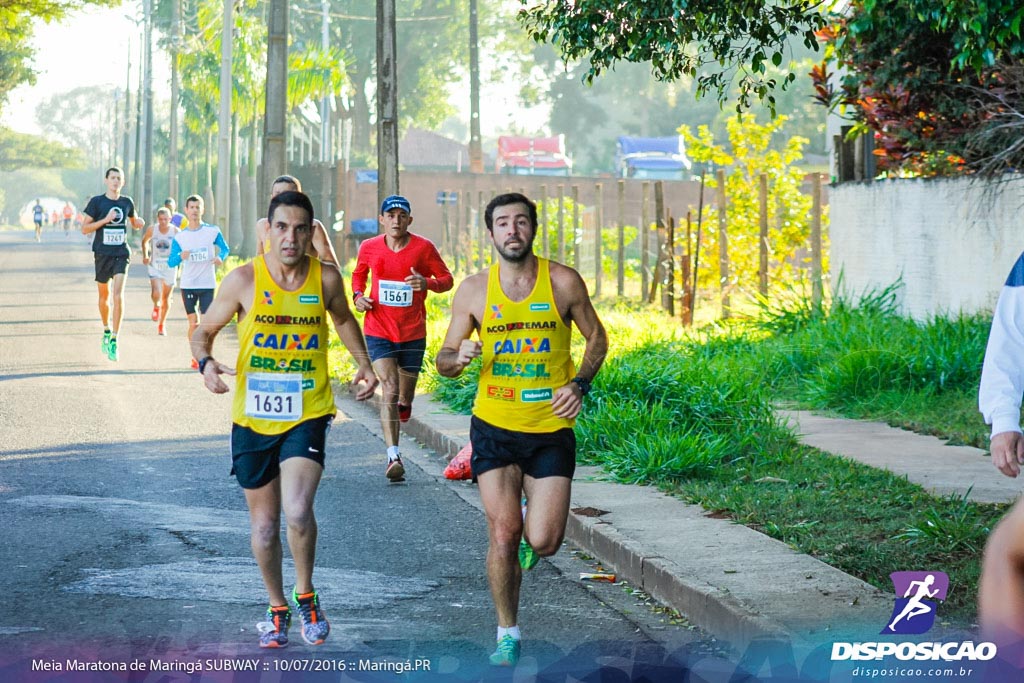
point(398, 314)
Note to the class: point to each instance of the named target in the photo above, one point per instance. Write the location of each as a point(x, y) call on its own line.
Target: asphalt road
point(125, 540)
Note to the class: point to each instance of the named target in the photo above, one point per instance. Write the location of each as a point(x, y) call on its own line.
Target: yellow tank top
point(282, 359)
point(526, 357)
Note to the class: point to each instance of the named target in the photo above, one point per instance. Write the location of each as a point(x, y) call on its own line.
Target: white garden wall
point(952, 240)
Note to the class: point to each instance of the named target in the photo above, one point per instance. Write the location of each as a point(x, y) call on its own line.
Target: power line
point(354, 17)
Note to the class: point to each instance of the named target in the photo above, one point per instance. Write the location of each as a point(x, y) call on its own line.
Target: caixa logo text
point(947, 652)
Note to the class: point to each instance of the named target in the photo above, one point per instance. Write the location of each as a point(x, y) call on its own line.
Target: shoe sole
point(396, 473)
point(273, 646)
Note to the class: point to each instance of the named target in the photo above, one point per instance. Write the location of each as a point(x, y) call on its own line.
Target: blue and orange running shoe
point(315, 626)
point(274, 631)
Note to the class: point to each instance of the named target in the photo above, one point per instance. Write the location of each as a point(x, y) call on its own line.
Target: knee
point(546, 545)
point(389, 386)
point(505, 536)
point(265, 532)
point(300, 519)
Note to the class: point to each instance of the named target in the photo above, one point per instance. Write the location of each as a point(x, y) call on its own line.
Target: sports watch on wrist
point(583, 384)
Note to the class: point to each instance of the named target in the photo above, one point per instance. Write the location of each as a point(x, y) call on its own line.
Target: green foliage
point(26, 184)
point(702, 39)
point(19, 150)
point(925, 78)
point(16, 35)
point(957, 526)
point(749, 155)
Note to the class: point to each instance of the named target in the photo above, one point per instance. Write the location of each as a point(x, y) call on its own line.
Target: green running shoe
point(112, 349)
point(528, 557)
point(507, 653)
point(106, 343)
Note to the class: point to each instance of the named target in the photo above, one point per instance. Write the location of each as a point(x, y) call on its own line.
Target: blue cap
point(396, 201)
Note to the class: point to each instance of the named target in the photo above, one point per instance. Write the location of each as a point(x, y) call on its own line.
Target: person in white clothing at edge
point(1001, 586)
point(200, 247)
point(156, 249)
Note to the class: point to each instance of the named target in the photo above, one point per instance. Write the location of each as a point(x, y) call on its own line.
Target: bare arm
point(145, 244)
point(458, 349)
point(321, 245)
point(233, 291)
point(91, 224)
point(261, 235)
point(347, 326)
point(569, 287)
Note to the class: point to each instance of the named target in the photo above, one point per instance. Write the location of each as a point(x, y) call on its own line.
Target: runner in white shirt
point(200, 247)
point(156, 249)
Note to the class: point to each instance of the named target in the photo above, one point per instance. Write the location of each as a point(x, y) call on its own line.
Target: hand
point(468, 350)
point(112, 214)
point(145, 260)
point(364, 304)
point(416, 281)
point(217, 261)
point(185, 254)
point(137, 223)
point(212, 380)
point(567, 401)
point(1008, 452)
point(366, 376)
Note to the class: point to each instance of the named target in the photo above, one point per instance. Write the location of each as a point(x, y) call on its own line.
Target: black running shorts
point(551, 454)
point(108, 266)
point(256, 458)
point(193, 297)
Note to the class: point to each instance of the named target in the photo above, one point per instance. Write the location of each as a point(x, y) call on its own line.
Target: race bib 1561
point(394, 293)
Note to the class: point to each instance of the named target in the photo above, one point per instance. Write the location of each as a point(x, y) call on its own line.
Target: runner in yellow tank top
point(527, 401)
point(283, 403)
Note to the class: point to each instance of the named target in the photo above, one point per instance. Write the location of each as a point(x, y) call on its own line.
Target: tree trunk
point(274, 123)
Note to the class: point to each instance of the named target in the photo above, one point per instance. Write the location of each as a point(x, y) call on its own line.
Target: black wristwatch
point(583, 384)
point(203, 362)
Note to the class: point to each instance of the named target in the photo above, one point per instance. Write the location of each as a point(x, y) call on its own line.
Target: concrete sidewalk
point(730, 580)
point(925, 460)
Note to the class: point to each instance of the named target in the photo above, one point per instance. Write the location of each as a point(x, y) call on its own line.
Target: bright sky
point(71, 54)
point(88, 48)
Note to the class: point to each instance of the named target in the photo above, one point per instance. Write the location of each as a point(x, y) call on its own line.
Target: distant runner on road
point(156, 250)
point(107, 217)
point(283, 404)
point(527, 399)
point(201, 247)
point(38, 214)
point(404, 267)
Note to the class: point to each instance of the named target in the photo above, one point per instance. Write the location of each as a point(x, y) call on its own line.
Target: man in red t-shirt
point(404, 267)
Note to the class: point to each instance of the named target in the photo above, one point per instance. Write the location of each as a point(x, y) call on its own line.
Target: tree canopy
point(711, 41)
point(16, 48)
point(939, 86)
point(19, 150)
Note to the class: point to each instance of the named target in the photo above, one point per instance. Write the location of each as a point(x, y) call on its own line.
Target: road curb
point(711, 608)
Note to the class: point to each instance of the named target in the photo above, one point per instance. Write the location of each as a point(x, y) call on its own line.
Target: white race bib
point(200, 254)
point(394, 293)
point(274, 396)
point(113, 236)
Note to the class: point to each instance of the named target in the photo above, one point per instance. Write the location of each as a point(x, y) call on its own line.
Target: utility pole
point(172, 157)
point(476, 155)
point(223, 197)
point(147, 171)
point(127, 111)
point(325, 102)
point(387, 101)
point(273, 162)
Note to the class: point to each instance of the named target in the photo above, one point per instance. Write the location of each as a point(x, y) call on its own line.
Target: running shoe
point(106, 343)
point(194, 364)
point(404, 413)
point(274, 631)
point(155, 315)
point(315, 626)
point(161, 331)
point(395, 470)
point(507, 653)
point(112, 349)
point(528, 557)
